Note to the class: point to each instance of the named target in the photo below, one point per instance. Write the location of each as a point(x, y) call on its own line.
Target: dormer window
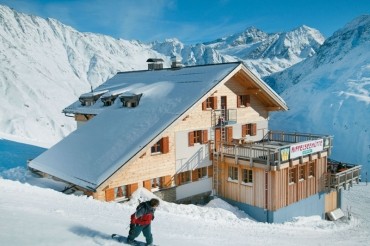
point(130, 100)
point(108, 99)
point(88, 99)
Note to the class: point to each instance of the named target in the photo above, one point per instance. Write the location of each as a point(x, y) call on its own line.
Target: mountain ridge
point(44, 59)
point(336, 81)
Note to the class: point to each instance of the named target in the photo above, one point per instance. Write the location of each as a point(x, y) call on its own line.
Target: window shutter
point(238, 101)
point(165, 145)
point(248, 101)
point(147, 185)
point(204, 105)
point(178, 179)
point(229, 135)
point(167, 181)
point(210, 171)
point(191, 139)
point(214, 102)
point(253, 129)
point(131, 189)
point(244, 130)
point(109, 194)
point(205, 136)
point(194, 175)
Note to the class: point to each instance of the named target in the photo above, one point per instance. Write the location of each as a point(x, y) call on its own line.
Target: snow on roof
point(92, 153)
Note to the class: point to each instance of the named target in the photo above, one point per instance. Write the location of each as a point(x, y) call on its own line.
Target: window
point(200, 136)
point(243, 101)
point(302, 172)
point(311, 169)
point(210, 103)
point(157, 183)
point(183, 177)
point(292, 175)
point(162, 146)
point(249, 129)
point(202, 172)
point(197, 137)
point(247, 176)
point(233, 173)
point(120, 192)
point(156, 147)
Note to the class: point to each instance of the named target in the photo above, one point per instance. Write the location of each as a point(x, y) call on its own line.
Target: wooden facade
point(273, 189)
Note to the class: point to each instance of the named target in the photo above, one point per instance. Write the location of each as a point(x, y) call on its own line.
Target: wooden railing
point(344, 176)
point(267, 152)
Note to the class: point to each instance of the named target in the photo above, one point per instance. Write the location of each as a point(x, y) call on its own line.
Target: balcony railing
point(342, 175)
point(275, 148)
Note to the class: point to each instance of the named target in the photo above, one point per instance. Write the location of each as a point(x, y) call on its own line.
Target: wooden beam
point(273, 108)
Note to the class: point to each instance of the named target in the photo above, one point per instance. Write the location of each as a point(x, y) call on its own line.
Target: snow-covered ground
point(34, 212)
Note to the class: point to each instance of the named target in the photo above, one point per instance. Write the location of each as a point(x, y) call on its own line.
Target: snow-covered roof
point(92, 153)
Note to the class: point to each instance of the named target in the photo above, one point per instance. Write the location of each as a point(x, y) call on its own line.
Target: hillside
point(329, 93)
point(46, 65)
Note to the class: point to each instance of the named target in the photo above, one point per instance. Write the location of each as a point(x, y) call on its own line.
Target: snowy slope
point(46, 65)
point(59, 219)
point(329, 93)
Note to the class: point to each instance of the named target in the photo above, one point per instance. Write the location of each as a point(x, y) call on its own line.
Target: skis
point(123, 239)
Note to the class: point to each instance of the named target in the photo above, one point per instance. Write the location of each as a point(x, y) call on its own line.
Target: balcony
point(342, 175)
point(277, 148)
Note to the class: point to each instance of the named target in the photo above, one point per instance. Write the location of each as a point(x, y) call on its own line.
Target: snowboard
point(123, 239)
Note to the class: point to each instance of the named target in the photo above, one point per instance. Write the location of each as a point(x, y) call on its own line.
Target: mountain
point(46, 65)
point(329, 93)
point(263, 53)
point(269, 53)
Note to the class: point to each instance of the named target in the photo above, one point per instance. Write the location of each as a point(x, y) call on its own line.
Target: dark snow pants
point(135, 231)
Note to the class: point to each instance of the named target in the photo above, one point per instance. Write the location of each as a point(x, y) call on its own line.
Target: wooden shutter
point(214, 100)
point(229, 135)
point(167, 181)
point(204, 105)
point(109, 194)
point(165, 145)
point(248, 103)
point(204, 137)
point(253, 129)
point(238, 101)
point(178, 179)
point(244, 130)
point(131, 189)
point(147, 184)
point(191, 138)
point(210, 171)
point(194, 175)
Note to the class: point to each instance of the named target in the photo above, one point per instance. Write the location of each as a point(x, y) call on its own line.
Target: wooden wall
point(272, 189)
point(331, 201)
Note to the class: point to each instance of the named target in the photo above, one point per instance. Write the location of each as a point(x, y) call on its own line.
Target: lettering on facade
point(305, 148)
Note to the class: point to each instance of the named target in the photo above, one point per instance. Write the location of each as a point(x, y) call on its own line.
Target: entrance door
point(217, 139)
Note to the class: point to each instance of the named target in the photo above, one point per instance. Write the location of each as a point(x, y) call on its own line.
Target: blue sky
point(193, 21)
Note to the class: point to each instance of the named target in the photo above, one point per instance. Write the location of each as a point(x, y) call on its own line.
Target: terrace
point(278, 148)
point(342, 175)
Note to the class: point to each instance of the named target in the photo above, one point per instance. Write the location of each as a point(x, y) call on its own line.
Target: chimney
point(176, 62)
point(155, 63)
